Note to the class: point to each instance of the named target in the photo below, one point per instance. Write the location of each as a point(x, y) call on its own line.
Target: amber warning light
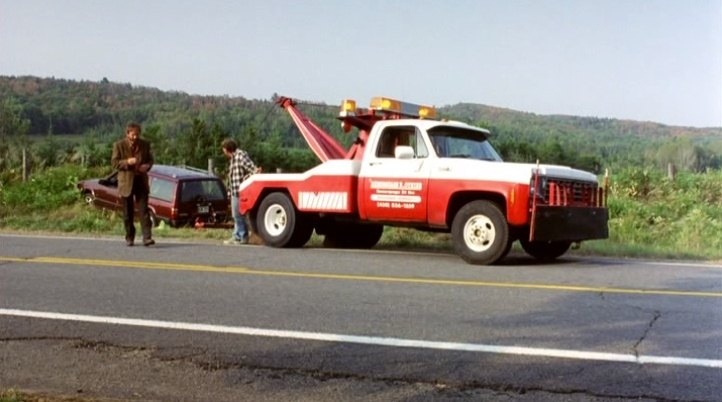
point(348, 108)
point(388, 105)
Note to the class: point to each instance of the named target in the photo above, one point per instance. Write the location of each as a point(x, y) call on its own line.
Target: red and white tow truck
point(407, 168)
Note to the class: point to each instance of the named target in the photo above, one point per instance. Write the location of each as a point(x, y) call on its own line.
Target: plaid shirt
point(240, 168)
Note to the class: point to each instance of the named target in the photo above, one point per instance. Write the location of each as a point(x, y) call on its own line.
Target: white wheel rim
point(479, 233)
point(275, 220)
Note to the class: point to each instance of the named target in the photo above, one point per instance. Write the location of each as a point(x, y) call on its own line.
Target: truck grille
point(558, 192)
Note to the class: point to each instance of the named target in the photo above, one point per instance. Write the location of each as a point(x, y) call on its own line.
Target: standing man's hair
point(132, 127)
point(229, 145)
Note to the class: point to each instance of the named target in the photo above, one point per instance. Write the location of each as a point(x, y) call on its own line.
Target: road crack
point(249, 373)
point(635, 347)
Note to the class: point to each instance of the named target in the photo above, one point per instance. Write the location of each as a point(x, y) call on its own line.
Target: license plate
point(203, 210)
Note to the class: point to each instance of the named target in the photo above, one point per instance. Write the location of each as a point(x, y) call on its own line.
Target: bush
point(48, 190)
point(681, 216)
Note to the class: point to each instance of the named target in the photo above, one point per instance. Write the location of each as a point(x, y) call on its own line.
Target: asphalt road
point(91, 318)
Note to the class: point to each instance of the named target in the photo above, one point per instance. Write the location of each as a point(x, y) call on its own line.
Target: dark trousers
point(139, 195)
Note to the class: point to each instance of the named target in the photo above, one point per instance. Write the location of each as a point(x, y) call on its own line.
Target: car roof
point(180, 172)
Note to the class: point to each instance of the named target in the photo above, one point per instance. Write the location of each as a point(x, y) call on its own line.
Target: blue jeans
point(240, 232)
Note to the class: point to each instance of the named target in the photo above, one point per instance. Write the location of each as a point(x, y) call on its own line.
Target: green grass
point(14, 395)
point(11, 395)
point(650, 216)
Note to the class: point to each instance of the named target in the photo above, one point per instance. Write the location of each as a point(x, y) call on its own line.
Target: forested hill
point(565, 123)
point(59, 106)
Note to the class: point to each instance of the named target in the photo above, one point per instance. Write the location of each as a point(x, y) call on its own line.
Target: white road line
point(372, 340)
point(681, 264)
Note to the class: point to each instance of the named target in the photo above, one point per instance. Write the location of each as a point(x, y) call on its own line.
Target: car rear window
point(210, 189)
point(161, 189)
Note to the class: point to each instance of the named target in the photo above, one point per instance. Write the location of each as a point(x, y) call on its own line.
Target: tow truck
point(407, 168)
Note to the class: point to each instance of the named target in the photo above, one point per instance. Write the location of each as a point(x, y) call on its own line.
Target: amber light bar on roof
point(404, 108)
point(388, 105)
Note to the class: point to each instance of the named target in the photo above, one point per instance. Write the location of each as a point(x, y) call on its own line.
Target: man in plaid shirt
point(241, 166)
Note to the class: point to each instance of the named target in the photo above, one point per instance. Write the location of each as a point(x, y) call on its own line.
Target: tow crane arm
point(321, 143)
point(326, 147)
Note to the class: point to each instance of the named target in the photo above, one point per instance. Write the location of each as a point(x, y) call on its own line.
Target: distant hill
point(60, 106)
point(527, 123)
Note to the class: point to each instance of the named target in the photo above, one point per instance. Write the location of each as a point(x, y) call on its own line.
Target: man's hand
point(132, 161)
point(144, 168)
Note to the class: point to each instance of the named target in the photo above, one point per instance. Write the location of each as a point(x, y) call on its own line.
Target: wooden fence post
point(25, 165)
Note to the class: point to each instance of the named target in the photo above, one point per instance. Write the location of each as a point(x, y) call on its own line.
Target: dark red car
point(178, 195)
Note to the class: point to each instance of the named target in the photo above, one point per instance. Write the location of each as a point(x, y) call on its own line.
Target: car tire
point(154, 220)
point(89, 198)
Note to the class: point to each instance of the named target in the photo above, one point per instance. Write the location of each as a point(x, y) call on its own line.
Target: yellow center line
point(126, 264)
point(369, 278)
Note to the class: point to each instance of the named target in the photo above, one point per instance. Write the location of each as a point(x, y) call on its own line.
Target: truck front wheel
point(545, 250)
point(480, 233)
point(279, 224)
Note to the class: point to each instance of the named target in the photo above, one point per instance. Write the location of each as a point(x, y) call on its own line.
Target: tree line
point(64, 121)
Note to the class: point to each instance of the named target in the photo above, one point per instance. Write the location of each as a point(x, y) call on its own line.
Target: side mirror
point(404, 152)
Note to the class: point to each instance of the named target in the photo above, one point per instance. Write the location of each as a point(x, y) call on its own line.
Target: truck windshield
point(455, 142)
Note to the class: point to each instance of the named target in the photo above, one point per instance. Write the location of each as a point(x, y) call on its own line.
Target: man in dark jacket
point(132, 158)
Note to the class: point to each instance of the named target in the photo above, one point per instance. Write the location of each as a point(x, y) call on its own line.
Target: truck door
point(395, 188)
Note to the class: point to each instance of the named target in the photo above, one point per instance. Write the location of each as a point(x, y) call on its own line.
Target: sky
point(646, 60)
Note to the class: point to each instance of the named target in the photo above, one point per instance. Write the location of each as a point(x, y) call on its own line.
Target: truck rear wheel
point(545, 250)
point(279, 224)
point(480, 233)
point(353, 235)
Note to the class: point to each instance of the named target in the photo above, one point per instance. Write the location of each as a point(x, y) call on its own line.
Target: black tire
point(507, 249)
point(545, 250)
point(353, 235)
point(279, 224)
point(302, 232)
point(89, 198)
point(480, 233)
point(154, 221)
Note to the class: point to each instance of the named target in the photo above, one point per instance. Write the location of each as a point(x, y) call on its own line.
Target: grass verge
point(650, 216)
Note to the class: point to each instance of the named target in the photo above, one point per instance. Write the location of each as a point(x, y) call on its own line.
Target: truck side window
point(395, 136)
point(388, 141)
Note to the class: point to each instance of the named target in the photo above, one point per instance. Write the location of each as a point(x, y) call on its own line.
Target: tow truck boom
point(322, 144)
